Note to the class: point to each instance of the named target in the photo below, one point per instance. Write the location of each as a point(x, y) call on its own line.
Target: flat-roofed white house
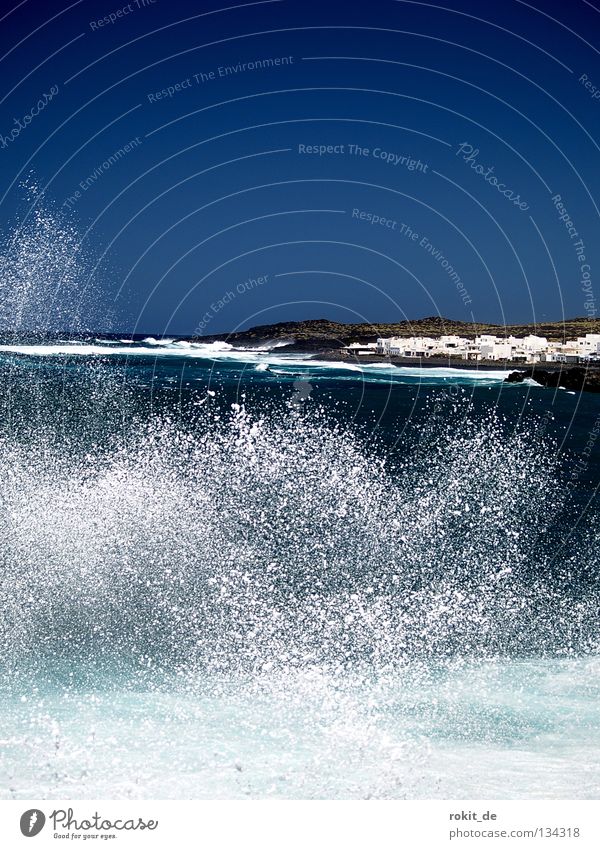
point(362, 348)
point(589, 344)
point(499, 350)
point(472, 350)
point(452, 345)
point(383, 345)
point(534, 343)
point(414, 346)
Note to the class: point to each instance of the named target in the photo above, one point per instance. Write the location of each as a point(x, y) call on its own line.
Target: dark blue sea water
point(232, 573)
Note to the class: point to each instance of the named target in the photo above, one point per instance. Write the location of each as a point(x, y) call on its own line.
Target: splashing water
point(230, 549)
point(356, 618)
point(44, 273)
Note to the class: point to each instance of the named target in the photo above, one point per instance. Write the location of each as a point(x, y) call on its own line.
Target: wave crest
point(244, 544)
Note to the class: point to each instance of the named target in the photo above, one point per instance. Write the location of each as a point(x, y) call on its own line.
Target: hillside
point(324, 333)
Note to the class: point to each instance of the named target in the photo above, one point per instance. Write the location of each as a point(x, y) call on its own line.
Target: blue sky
point(283, 160)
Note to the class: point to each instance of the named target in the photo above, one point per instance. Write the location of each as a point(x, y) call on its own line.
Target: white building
point(589, 345)
point(383, 345)
point(486, 346)
point(362, 348)
point(414, 346)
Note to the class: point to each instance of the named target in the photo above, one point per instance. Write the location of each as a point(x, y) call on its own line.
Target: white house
point(414, 346)
point(486, 346)
point(362, 348)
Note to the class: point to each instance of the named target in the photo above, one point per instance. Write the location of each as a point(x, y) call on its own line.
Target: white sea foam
point(278, 364)
point(151, 340)
point(278, 343)
point(280, 632)
point(501, 730)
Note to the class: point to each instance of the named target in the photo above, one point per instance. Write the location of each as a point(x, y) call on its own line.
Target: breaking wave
point(242, 544)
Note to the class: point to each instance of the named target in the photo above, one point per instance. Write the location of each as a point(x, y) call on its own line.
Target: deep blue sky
point(214, 190)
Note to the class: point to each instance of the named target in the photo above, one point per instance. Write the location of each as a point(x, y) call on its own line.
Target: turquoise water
point(525, 729)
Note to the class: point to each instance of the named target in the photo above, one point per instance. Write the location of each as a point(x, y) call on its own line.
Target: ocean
point(238, 574)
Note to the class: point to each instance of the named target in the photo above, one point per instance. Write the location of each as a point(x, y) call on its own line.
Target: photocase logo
point(32, 822)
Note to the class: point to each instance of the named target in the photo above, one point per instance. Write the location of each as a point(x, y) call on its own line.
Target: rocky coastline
point(327, 340)
point(574, 378)
point(341, 356)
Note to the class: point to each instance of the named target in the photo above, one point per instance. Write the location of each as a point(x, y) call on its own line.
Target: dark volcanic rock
point(574, 378)
point(312, 344)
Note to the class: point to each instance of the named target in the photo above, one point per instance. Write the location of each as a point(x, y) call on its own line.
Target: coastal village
point(485, 347)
